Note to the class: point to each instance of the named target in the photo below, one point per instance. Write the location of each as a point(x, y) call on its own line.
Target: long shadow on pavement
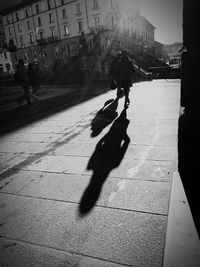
point(108, 155)
point(104, 117)
point(24, 115)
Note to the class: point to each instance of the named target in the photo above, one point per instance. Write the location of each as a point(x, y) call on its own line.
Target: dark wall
point(189, 122)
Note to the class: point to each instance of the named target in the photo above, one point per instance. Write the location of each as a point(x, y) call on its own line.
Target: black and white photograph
point(99, 133)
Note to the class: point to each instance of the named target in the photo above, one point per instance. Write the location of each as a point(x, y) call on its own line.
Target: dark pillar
point(189, 122)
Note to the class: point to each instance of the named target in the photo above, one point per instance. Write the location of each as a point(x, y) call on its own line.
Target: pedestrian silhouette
point(23, 79)
point(108, 155)
point(33, 77)
point(121, 71)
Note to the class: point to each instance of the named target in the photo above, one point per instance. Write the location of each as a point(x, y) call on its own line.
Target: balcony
point(100, 28)
point(41, 41)
point(52, 39)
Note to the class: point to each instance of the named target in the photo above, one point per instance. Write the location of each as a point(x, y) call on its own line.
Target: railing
point(98, 29)
point(52, 39)
point(41, 41)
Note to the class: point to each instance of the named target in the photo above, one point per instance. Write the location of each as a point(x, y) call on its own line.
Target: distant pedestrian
point(83, 44)
point(96, 42)
point(121, 70)
point(23, 80)
point(33, 75)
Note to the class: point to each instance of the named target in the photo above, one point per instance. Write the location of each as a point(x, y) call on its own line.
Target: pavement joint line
point(63, 142)
point(61, 155)
point(85, 174)
point(63, 251)
point(7, 172)
point(77, 203)
point(83, 143)
point(132, 179)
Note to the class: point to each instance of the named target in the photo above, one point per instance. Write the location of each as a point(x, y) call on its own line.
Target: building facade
point(45, 31)
point(143, 31)
point(5, 56)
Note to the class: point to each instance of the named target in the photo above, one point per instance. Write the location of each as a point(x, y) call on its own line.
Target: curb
point(182, 246)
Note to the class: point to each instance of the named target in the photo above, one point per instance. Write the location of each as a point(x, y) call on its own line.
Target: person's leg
point(127, 100)
point(22, 97)
point(34, 88)
point(27, 94)
point(119, 90)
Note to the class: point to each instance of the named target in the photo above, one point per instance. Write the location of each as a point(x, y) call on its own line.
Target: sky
point(166, 16)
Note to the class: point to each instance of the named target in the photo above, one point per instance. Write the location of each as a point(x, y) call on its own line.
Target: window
point(80, 26)
point(49, 4)
point(95, 4)
point(31, 38)
point(56, 51)
point(21, 40)
point(112, 22)
point(64, 13)
point(62, 2)
point(44, 52)
point(5, 55)
point(52, 32)
point(66, 30)
point(39, 21)
point(17, 16)
point(9, 30)
point(19, 27)
point(25, 56)
point(96, 21)
point(26, 12)
point(34, 53)
point(37, 9)
point(7, 19)
point(50, 17)
point(41, 35)
point(68, 49)
point(28, 24)
point(78, 8)
point(111, 3)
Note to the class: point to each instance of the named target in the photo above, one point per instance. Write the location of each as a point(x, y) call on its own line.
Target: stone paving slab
point(34, 138)
point(62, 164)
point(22, 254)
point(146, 196)
point(134, 151)
point(58, 225)
point(18, 179)
point(10, 160)
point(22, 147)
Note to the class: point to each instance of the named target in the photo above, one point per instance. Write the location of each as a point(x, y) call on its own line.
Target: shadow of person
point(104, 117)
point(108, 154)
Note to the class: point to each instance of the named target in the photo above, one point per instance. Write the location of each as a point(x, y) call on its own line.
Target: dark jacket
point(33, 76)
point(23, 75)
point(121, 71)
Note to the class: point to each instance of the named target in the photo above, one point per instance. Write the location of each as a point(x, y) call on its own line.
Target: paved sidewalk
point(94, 185)
point(10, 94)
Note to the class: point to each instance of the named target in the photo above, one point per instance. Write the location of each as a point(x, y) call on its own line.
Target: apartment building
point(46, 30)
point(143, 31)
